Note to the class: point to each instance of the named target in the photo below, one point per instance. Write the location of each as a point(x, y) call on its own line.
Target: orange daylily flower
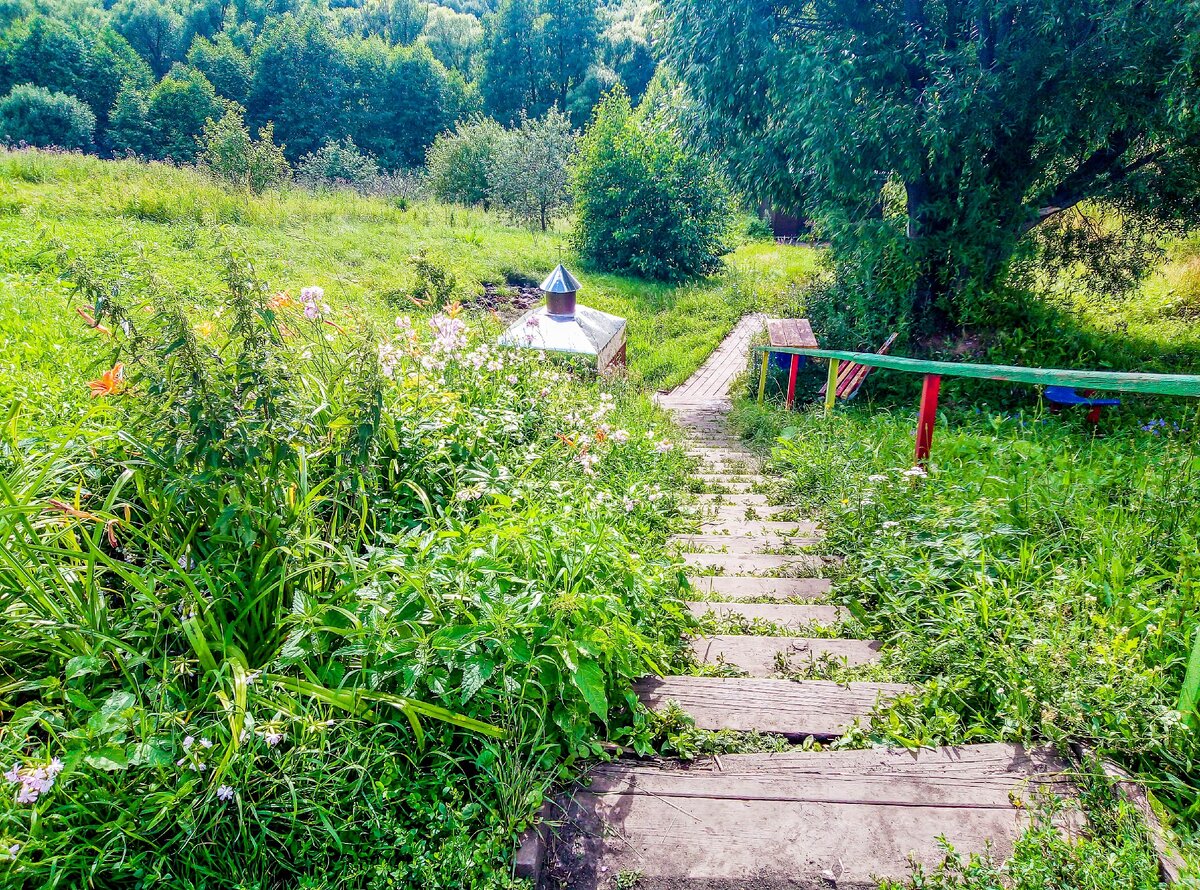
point(110, 383)
point(453, 310)
point(90, 321)
point(601, 435)
point(282, 300)
point(566, 440)
point(68, 510)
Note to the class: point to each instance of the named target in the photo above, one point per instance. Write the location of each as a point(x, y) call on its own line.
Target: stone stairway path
point(796, 820)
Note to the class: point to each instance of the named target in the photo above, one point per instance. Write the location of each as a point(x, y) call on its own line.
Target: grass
point(133, 218)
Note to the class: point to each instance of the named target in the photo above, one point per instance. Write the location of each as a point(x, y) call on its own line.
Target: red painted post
point(927, 416)
point(791, 392)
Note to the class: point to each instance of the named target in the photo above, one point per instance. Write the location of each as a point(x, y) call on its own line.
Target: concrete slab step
point(770, 656)
point(783, 614)
point(755, 564)
point(735, 588)
point(801, 821)
point(794, 709)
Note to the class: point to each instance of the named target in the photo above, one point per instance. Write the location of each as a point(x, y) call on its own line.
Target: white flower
point(877, 477)
point(620, 436)
point(663, 447)
point(629, 505)
point(273, 738)
point(188, 742)
point(224, 793)
point(890, 524)
point(915, 472)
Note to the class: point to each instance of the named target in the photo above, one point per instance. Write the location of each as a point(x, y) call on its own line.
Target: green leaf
point(475, 674)
point(109, 759)
point(82, 665)
point(589, 679)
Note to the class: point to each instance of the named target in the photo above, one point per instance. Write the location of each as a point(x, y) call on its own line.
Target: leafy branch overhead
point(941, 143)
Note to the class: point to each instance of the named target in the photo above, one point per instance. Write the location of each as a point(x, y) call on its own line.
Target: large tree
point(976, 125)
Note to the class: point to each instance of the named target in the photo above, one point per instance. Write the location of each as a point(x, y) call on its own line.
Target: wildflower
point(588, 462)
point(601, 433)
point(890, 524)
point(620, 436)
point(33, 781)
point(664, 447)
point(224, 793)
point(282, 300)
point(512, 379)
point(877, 477)
point(915, 472)
point(273, 738)
point(13, 849)
point(206, 743)
point(188, 742)
point(205, 329)
point(313, 299)
point(450, 334)
point(110, 383)
point(629, 505)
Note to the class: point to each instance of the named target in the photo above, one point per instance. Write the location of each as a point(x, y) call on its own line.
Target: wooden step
point(734, 588)
point(783, 614)
point(739, 544)
point(755, 564)
point(725, 478)
point(769, 656)
point(726, 487)
point(742, 500)
point(794, 709)
point(759, 527)
point(831, 820)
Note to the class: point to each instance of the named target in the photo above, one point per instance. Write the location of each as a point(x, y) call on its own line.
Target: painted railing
point(1187, 385)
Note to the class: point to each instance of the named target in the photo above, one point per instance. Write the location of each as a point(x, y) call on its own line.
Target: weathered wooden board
point(738, 526)
point(747, 476)
point(735, 588)
point(794, 709)
point(741, 544)
point(794, 332)
point(767, 656)
point(783, 614)
point(755, 564)
point(796, 821)
point(744, 499)
point(725, 487)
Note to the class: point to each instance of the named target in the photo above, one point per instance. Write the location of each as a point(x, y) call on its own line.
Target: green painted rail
point(1114, 381)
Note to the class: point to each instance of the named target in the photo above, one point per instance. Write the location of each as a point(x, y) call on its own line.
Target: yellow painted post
point(831, 386)
point(762, 376)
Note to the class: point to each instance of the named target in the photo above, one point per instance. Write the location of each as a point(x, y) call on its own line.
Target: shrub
point(176, 109)
point(460, 162)
point(527, 177)
point(338, 164)
point(231, 155)
point(644, 204)
point(38, 117)
point(435, 283)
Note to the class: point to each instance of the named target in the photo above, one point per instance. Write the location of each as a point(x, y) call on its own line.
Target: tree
point(231, 155)
point(977, 125)
point(224, 64)
point(129, 130)
point(405, 98)
point(399, 22)
point(176, 109)
point(38, 117)
point(454, 38)
point(152, 28)
point(45, 52)
point(643, 203)
point(338, 163)
point(301, 81)
point(528, 172)
point(460, 162)
point(111, 64)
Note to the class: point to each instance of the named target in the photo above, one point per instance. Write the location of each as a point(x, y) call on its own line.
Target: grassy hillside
point(139, 218)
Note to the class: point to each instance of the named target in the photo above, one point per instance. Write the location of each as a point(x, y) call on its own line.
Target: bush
point(40, 118)
point(338, 164)
point(231, 155)
point(644, 204)
point(528, 173)
point(460, 162)
point(176, 109)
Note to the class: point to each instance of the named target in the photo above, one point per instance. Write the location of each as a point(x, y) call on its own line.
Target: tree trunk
point(931, 292)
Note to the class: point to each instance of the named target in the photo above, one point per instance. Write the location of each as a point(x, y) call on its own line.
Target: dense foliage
point(35, 116)
point(936, 144)
point(388, 74)
point(645, 204)
point(293, 584)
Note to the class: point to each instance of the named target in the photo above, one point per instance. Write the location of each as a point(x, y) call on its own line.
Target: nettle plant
point(274, 523)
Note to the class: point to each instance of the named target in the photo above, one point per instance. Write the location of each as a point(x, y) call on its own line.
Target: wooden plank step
point(742, 527)
point(739, 544)
point(784, 614)
point(767, 656)
point(725, 478)
point(735, 588)
point(754, 564)
point(798, 820)
point(724, 487)
point(743, 499)
point(794, 709)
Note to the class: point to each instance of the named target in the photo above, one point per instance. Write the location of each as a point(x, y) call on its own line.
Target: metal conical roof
point(560, 281)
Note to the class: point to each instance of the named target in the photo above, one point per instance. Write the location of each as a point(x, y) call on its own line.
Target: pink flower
point(313, 299)
point(225, 793)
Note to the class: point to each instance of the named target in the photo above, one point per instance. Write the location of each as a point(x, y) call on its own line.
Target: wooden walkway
point(797, 820)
